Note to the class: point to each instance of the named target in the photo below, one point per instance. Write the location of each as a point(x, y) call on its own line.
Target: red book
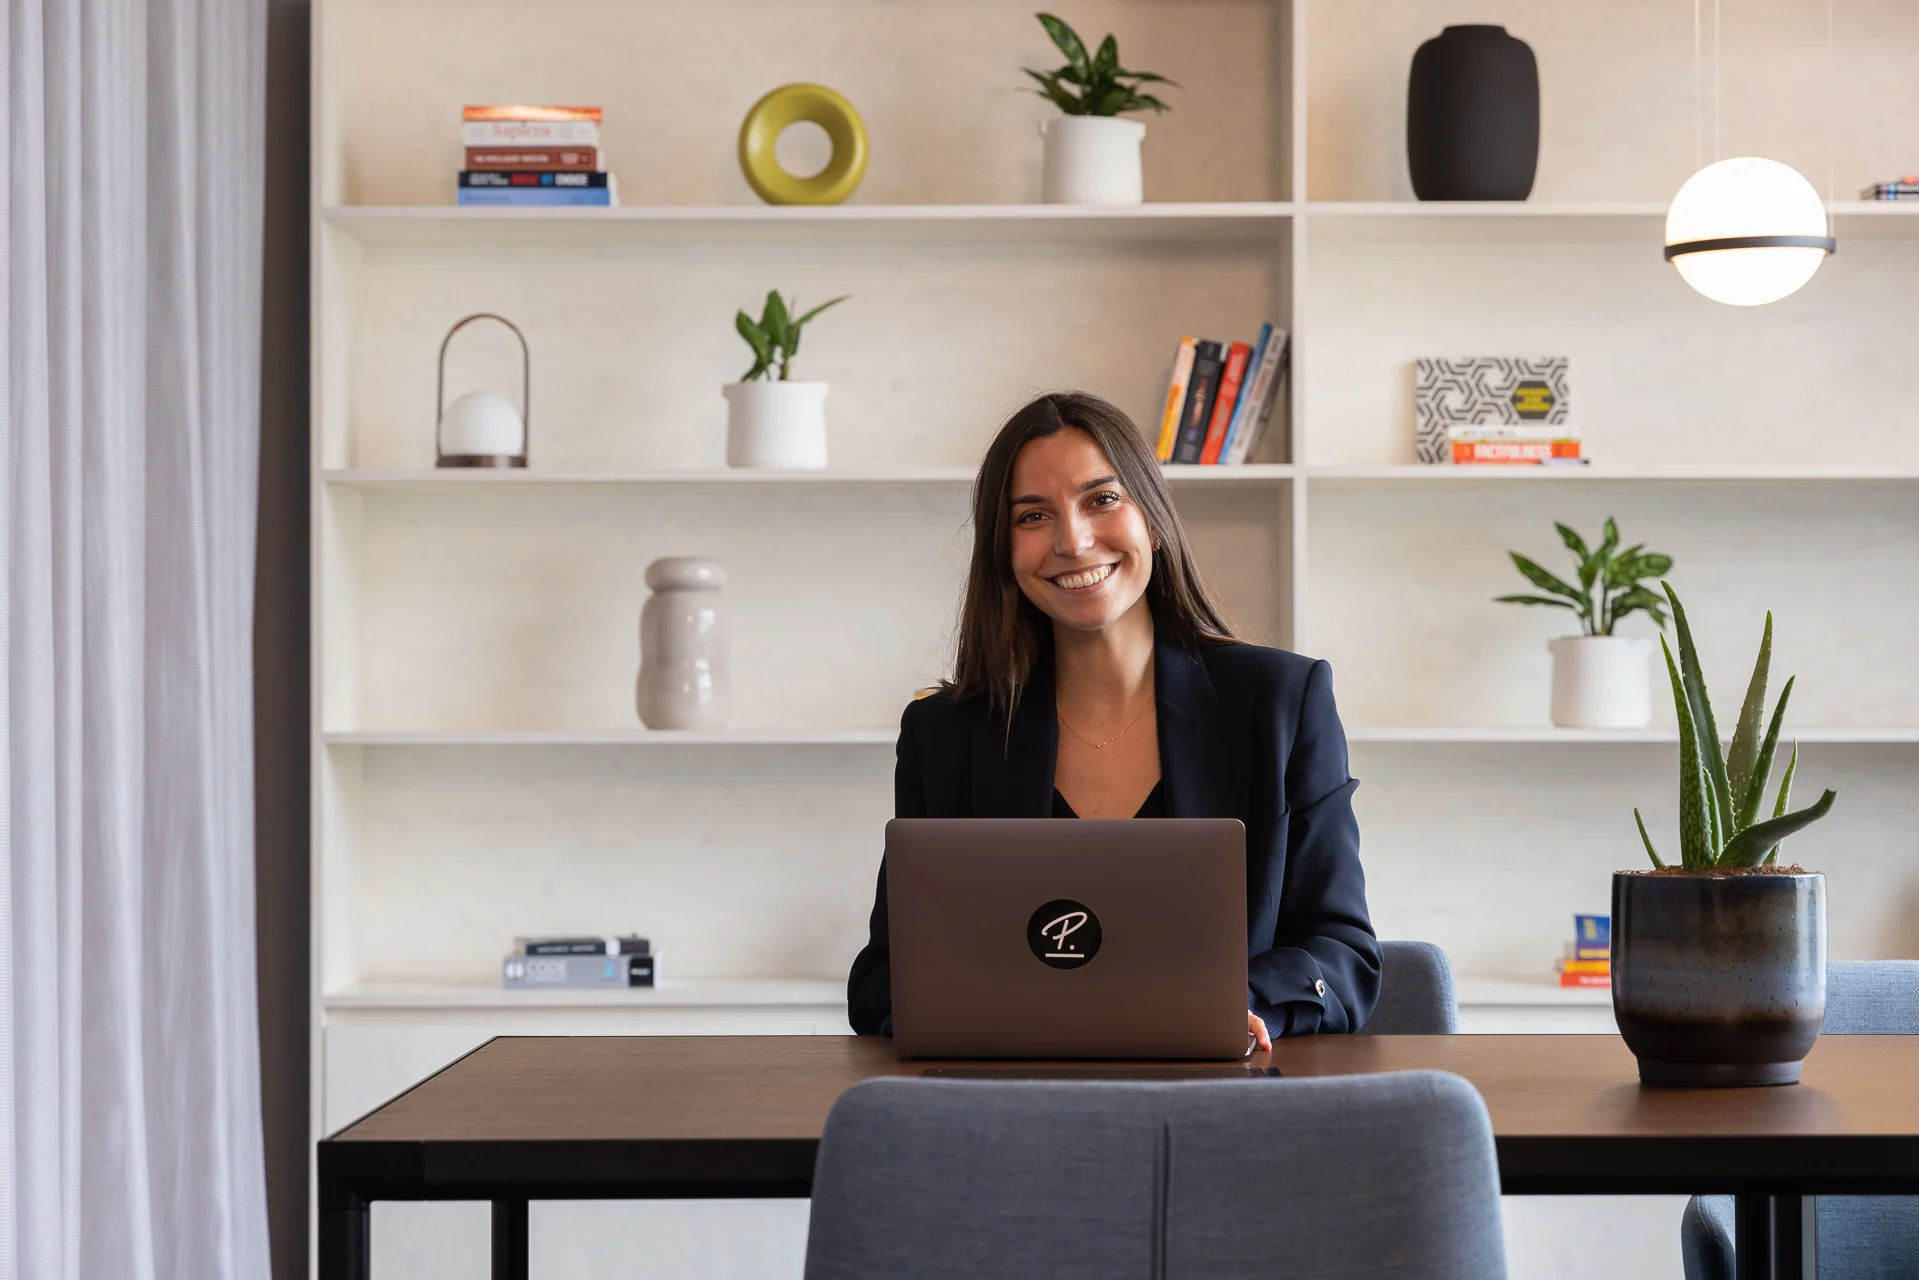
point(1228, 397)
point(1585, 980)
point(532, 158)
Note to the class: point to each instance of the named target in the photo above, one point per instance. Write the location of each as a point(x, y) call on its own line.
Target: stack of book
point(1906, 188)
point(1221, 398)
point(1504, 443)
point(534, 157)
point(1588, 959)
point(580, 962)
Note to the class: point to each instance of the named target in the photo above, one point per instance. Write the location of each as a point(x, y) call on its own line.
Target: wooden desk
point(648, 1117)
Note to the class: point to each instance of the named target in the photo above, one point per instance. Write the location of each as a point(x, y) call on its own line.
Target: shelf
point(635, 737)
point(712, 993)
point(1548, 734)
point(1443, 220)
point(460, 478)
point(854, 224)
point(1415, 473)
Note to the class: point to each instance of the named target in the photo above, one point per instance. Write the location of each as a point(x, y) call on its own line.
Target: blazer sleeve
point(869, 988)
point(1324, 932)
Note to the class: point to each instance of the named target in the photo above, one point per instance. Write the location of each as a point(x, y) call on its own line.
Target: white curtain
point(130, 1145)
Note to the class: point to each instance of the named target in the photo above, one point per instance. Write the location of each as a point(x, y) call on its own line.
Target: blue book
point(536, 197)
point(1592, 937)
point(1245, 408)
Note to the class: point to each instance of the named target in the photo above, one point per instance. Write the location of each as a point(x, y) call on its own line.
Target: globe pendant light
point(1747, 231)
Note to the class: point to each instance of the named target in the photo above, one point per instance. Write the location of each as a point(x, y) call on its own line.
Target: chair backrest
point(1384, 1175)
point(1872, 998)
point(1415, 992)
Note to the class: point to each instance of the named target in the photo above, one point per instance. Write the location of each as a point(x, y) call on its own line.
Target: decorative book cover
point(1492, 389)
point(1229, 384)
point(1175, 399)
point(1202, 389)
point(585, 158)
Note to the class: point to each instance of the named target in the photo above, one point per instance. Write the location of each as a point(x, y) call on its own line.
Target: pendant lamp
point(1747, 231)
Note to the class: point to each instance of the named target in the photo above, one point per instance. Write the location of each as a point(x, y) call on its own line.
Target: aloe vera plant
point(1723, 788)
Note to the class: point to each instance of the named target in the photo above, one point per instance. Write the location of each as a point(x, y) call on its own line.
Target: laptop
point(1043, 938)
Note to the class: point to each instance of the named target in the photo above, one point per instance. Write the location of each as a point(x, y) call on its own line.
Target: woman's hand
point(1256, 1027)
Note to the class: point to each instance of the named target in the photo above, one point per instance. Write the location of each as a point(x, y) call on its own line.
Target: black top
point(1244, 732)
point(1153, 806)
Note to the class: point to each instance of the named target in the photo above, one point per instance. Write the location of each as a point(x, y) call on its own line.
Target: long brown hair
point(1002, 633)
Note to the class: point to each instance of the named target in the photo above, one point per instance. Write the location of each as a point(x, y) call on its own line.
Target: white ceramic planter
point(1091, 160)
point(776, 424)
point(1602, 682)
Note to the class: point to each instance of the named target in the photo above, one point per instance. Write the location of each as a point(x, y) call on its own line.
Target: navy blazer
point(1244, 732)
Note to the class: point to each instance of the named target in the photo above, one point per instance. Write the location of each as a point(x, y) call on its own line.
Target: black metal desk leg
point(509, 1240)
point(1774, 1238)
point(346, 1243)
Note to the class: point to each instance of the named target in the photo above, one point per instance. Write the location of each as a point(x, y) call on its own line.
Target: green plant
point(1611, 582)
point(1104, 87)
point(775, 336)
point(1721, 790)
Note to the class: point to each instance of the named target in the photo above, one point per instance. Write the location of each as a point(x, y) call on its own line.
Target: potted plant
point(1092, 156)
point(1600, 678)
point(1719, 963)
point(775, 421)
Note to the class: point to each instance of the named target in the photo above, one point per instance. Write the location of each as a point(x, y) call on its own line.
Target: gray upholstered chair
point(1381, 1176)
point(1415, 992)
point(1860, 1237)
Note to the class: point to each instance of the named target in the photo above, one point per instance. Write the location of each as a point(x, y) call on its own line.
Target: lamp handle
point(526, 380)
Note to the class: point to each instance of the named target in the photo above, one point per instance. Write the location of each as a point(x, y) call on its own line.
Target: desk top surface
point(726, 1088)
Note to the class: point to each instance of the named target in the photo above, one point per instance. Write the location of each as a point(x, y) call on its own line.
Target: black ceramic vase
point(1719, 980)
point(1472, 116)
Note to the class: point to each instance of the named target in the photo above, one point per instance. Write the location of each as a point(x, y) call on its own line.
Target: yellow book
point(1585, 966)
point(1175, 400)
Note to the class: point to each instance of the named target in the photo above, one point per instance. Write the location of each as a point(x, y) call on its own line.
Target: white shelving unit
point(478, 770)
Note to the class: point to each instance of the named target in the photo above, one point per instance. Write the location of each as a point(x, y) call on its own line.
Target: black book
point(1209, 361)
point(532, 178)
point(631, 945)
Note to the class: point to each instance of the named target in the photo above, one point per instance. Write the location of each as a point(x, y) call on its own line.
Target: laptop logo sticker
point(1063, 934)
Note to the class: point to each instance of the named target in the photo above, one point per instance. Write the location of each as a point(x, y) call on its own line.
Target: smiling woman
point(1095, 678)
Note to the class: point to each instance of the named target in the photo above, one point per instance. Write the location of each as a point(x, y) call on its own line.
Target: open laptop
point(1042, 938)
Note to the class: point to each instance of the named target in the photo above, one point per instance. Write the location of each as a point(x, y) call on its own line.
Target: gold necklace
point(1110, 741)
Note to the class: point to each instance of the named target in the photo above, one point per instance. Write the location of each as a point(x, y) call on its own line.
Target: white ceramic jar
point(685, 681)
point(776, 424)
point(1091, 160)
point(1602, 682)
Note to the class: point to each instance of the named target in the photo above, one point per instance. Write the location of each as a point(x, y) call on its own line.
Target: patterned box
point(1510, 390)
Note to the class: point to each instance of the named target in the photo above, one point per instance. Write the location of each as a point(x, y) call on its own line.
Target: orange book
point(1585, 980)
point(514, 112)
point(1228, 397)
point(1522, 452)
point(1585, 966)
point(1175, 400)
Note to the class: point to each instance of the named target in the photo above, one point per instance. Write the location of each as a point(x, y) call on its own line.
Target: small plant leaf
point(1610, 536)
point(1069, 44)
point(756, 339)
point(1051, 90)
point(1744, 752)
point(1785, 795)
point(1712, 752)
point(1106, 61)
point(1112, 102)
point(1546, 581)
point(1554, 601)
point(1694, 830)
point(1762, 766)
point(1748, 848)
point(1650, 851)
point(1144, 77)
point(1574, 543)
point(774, 320)
point(1148, 100)
point(816, 310)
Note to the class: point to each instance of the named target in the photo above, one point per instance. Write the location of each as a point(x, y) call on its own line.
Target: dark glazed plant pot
point(1472, 116)
point(1719, 980)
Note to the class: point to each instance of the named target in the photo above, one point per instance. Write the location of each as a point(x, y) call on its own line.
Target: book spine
point(1175, 400)
point(1230, 382)
point(1592, 953)
point(520, 111)
point(1585, 966)
point(1502, 431)
point(520, 134)
point(1513, 452)
point(531, 178)
point(1592, 931)
point(1208, 361)
point(1249, 393)
point(578, 158)
point(1585, 980)
point(1278, 354)
point(520, 972)
point(632, 944)
point(536, 197)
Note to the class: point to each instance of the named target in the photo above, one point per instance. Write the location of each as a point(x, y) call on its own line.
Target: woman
point(1096, 679)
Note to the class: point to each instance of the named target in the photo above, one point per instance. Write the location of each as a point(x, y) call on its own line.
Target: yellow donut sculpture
point(789, 104)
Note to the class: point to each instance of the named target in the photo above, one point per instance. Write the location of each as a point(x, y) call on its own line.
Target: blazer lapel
point(1195, 754)
point(1013, 771)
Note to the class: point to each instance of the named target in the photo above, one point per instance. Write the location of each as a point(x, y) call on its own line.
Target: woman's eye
point(1027, 517)
point(1106, 498)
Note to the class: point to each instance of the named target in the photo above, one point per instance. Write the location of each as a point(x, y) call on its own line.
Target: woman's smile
point(1083, 580)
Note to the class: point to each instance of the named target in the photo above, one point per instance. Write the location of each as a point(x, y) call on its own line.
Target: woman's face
point(1081, 549)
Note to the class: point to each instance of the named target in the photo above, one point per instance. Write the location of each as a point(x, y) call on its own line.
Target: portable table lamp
point(482, 428)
